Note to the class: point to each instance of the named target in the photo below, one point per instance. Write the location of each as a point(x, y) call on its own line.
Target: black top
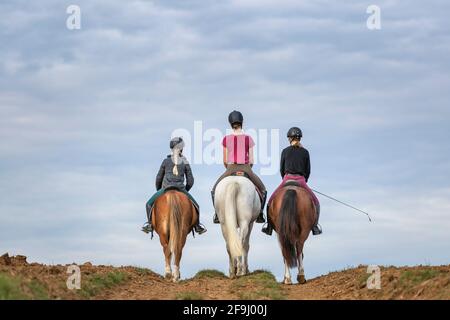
point(166, 178)
point(295, 160)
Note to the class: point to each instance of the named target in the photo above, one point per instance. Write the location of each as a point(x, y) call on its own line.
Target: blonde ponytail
point(296, 143)
point(176, 159)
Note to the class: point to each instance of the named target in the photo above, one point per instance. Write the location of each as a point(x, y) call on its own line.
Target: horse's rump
point(292, 214)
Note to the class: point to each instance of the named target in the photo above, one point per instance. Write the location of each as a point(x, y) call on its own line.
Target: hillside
point(22, 280)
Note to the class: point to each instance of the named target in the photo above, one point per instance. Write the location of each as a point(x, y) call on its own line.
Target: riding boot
point(147, 228)
point(267, 228)
point(199, 228)
point(316, 230)
point(216, 218)
point(260, 218)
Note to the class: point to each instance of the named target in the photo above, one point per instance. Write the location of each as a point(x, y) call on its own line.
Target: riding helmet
point(295, 132)
point(177, 141)
point(235, 117)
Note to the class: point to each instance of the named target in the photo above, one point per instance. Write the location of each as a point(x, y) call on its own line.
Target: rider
point(238, 157)
point(171, 174)
point(295, 165)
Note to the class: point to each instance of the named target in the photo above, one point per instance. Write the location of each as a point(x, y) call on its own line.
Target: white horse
point(237, 204)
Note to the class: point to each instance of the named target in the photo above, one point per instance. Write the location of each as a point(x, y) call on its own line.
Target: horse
point(293, 214)
point(237, 204)
point(173, 218)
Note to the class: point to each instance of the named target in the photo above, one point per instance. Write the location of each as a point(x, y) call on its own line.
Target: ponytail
point(176, 154)
point(296, 143)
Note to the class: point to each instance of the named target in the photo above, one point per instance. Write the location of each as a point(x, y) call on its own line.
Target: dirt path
point(18, 279)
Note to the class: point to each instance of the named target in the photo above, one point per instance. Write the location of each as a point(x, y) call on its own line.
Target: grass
point(143, 271)
point(417, 276)
point(189, 296)
point(259, 284)
point(209, 273)
point(94, 285)
point(17, 288)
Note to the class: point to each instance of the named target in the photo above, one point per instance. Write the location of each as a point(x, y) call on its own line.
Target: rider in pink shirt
point(238, 157)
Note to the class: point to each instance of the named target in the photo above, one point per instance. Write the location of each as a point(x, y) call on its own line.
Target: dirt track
point(36, 281)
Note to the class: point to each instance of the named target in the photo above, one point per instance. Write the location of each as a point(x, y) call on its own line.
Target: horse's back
point(247, 198)
point(171, 199)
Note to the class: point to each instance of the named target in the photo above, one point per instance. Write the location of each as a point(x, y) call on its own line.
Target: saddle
point(197, 208)
point(240, 173)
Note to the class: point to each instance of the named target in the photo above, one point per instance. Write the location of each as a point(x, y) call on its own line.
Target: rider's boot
point(316, 229)
point(216, 218)
point(199, 228)
point(260, 218)
point(267, 228)
point(147, 228)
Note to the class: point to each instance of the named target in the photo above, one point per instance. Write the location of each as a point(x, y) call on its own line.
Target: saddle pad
point(292, 183)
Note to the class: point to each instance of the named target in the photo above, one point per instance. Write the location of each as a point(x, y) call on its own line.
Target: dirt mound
point(22, 280)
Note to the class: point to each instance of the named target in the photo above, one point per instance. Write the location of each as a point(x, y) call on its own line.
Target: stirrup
point(216, 219)
point(267, 229)
point(147, 228)
point(316, 230)
point(200, 229)
point(260, 218)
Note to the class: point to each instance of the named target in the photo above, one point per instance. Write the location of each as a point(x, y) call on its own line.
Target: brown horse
point(292, 214)
point(173, 217)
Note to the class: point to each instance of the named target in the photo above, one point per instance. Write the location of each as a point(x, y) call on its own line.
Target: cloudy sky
point(86, 116)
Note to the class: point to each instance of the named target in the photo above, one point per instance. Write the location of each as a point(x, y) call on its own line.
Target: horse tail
point(234, 243)
point(289, 228)
point(174, 223)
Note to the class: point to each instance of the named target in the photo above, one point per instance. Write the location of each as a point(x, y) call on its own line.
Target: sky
point(86, 116)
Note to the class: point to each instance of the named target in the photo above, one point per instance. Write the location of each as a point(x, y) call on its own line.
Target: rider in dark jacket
point(172, 173)
point(295, 165)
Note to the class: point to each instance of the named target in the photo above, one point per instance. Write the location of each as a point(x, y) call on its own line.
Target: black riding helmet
point(235, 117)
point(295, 133)
point(177, 141)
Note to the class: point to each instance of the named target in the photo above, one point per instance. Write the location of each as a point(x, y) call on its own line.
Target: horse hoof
point(168, 276)
point(301, 279)
point(233, 276)
point(176, 280)
point(287, 281)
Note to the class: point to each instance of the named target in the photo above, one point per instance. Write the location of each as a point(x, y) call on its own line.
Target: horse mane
point(289, 227)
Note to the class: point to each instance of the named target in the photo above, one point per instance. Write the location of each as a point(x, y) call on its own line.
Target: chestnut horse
point(173, 218)
point(292, 214)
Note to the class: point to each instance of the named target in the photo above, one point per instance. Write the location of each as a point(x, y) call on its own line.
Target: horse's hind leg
point(232, 265)
point(168, 258)
point(245, 233)
point(287, 274)
point(301, 271)
point(176, 268)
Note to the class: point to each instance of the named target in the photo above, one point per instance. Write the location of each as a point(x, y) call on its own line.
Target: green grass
point(209, 273)
point(188, 296)
point(259, 284)
point(143, 271)
point(16, 288)
point(94, 285)
point(417, 276)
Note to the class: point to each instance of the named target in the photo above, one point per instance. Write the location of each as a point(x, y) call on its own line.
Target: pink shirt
point(238, 147)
